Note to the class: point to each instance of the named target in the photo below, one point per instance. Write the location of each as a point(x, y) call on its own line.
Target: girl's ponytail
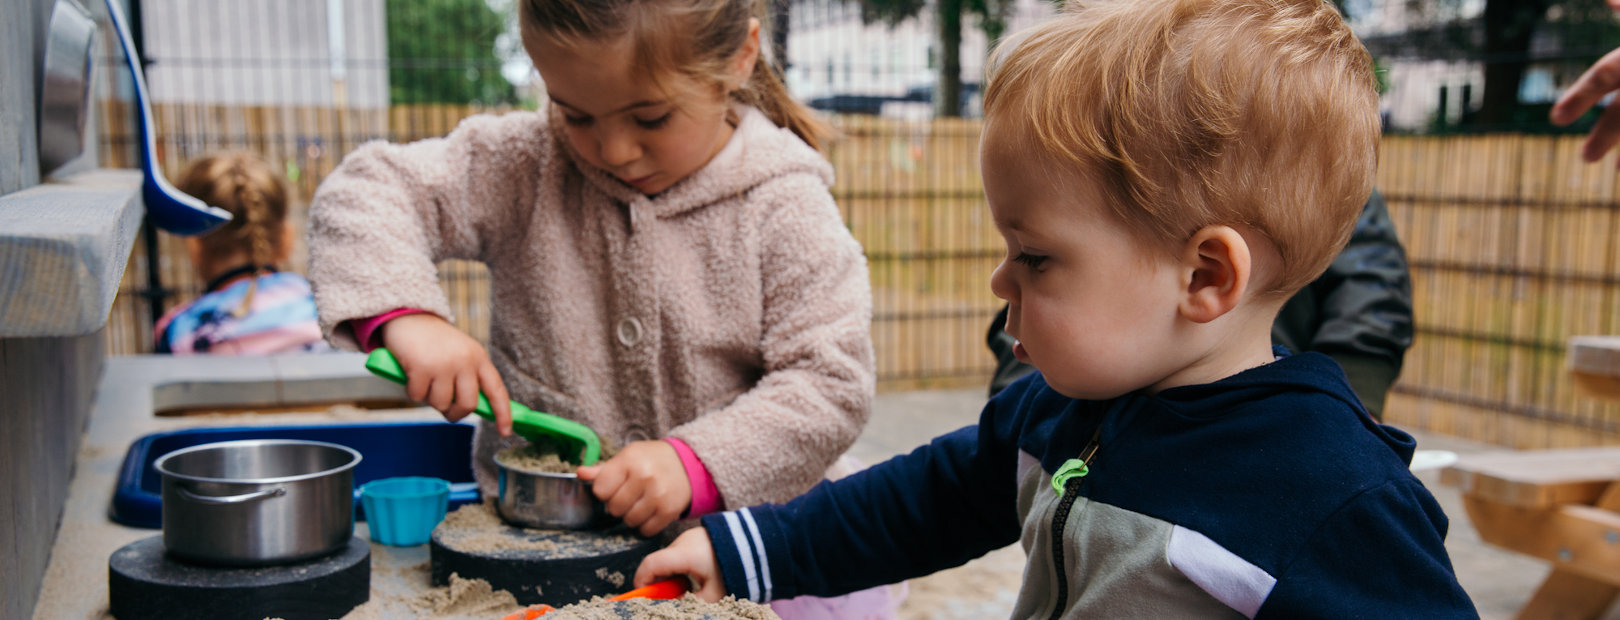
point(766, 91)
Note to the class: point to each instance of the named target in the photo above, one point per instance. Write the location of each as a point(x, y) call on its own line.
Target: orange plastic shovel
point(662, 590)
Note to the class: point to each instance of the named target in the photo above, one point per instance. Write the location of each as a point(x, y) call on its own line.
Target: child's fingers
point(499, 402)
point(606, 480)
point(673, 563)
point(658, 520)
point(690, 556)
point(624, 497)
point(441, 394)
point(641, 516)
point(416, 387)
point(658, 566)
point(466, 396)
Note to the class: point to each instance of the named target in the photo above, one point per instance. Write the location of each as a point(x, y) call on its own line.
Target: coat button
point(629, 332)
point(636, 434)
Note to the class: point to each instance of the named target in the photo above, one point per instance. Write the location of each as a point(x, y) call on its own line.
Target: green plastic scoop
point(535, 426)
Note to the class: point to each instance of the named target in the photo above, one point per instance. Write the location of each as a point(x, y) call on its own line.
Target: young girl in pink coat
point(667, 265)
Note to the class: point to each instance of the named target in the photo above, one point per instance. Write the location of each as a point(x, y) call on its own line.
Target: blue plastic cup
point(402, 512)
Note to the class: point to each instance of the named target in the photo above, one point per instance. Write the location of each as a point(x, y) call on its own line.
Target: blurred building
point(326, 53)
point(1435, 58)
point(840, 64)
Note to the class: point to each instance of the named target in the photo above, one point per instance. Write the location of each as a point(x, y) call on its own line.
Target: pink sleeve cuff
point(366, 331)
point(705, 496)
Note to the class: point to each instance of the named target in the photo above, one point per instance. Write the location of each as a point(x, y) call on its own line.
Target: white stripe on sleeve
point(759, 550)
point(747, 555)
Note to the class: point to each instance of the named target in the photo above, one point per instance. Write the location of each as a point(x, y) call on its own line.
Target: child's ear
point(1217, 268)
point(743, 66)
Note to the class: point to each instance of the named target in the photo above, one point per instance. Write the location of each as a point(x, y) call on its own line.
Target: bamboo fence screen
point(1514, 245)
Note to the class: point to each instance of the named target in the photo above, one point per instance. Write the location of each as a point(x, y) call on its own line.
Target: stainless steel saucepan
point(257, 502)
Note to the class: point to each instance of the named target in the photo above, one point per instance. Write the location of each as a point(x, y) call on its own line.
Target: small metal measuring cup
point(547, 500)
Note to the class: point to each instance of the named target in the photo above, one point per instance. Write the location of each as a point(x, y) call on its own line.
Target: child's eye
point(654, 123)
point(1029, 260)
point(577, 121)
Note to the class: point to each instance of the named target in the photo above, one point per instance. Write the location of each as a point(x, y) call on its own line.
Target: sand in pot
point(686, 608)
point(545, 457)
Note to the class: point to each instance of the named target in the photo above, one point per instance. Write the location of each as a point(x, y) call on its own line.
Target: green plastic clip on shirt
point(1077, 467)
point(1072, 468)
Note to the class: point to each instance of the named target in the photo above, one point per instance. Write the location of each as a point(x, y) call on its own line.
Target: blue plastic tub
point(388, 450)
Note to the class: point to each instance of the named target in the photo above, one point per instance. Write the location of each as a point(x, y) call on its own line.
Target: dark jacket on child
point(1268, 494)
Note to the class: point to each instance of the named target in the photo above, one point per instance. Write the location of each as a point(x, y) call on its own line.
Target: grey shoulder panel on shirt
point(1117, 562)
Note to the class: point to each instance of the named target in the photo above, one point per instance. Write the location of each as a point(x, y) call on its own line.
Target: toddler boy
point(1165, 173)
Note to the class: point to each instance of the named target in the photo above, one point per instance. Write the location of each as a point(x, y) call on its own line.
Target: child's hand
point(446, 368)
point(644, 484)
point(692, 556)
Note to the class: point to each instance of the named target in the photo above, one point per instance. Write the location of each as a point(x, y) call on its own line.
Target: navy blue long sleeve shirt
point(1270, 493)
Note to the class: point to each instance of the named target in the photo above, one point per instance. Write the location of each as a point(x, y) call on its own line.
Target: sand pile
point(478, 528)
point(686, 608)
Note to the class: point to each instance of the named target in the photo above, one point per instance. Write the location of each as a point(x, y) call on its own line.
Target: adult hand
point(1601, 79)
point(446, 368)
point(644, 484)
point(692, 556)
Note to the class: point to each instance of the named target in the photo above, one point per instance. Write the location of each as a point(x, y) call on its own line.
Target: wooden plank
point(1536, 478)
point(1584, 540)
point(1566, 595)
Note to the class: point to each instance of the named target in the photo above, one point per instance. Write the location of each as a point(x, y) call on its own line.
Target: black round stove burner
point(555, 567)
point(144, 582)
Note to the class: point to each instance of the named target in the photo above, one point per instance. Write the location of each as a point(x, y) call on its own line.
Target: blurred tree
point(443, 51)
point(781, 15)
point(990, 14)
point(1508, 37)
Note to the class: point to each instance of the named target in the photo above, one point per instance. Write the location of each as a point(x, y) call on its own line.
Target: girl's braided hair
point(256, 196)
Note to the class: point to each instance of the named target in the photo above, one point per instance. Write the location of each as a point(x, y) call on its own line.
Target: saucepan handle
point(221, 500)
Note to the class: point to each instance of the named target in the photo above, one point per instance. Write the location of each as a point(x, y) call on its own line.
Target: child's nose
point(618, 149)
point(1001, 283)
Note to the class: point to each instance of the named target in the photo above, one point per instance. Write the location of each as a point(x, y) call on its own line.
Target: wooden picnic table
point(1559, 505)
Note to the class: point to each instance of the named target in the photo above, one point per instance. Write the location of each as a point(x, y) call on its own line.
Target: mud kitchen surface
point(301, 390)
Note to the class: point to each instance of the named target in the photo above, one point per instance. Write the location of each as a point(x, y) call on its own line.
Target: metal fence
point(1513, 241)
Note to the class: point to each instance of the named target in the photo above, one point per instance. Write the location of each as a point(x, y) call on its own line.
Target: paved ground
point(1499, 581)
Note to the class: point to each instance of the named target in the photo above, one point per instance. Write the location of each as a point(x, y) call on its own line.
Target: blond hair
point(256, 196)
point(692, 38)
point(1190, 113)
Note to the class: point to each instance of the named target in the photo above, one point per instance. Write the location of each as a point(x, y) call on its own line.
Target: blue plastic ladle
point(170, 209)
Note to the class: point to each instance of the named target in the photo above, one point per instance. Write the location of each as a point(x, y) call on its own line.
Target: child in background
point(1165, 174)
point(247, 306)
point(668, 266)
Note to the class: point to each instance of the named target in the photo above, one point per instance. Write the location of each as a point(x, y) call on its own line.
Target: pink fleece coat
point(732, 311)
